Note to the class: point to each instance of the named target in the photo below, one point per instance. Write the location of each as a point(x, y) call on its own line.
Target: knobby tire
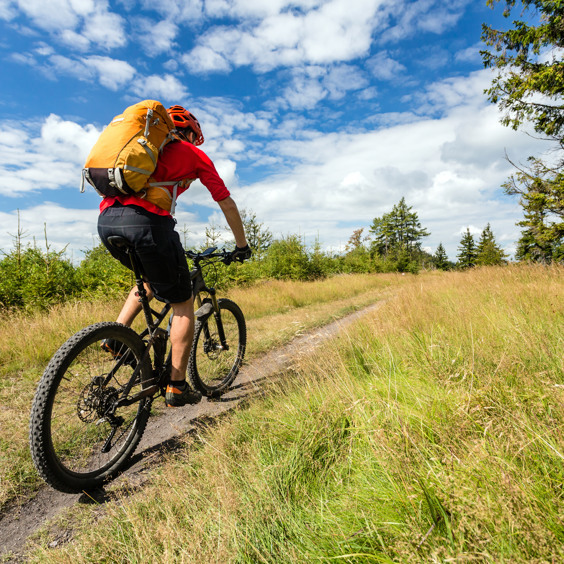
point(69, 423)
point(211, 369)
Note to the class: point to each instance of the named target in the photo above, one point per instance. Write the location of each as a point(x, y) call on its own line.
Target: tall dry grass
point(432, 431)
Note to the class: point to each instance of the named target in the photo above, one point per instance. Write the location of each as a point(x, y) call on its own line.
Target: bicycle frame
point(153, 319)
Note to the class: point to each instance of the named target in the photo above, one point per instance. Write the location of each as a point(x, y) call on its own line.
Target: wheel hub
point(96, 401)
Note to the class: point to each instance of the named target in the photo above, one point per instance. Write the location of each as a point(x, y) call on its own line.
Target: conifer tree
point(537, 242)
point(397, 232)
point(440, 258)
point(488, 252)
point(258, 236)
point(529, 88)
point(467, 251)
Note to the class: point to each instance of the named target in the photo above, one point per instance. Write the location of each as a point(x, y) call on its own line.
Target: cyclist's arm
point(231, 212)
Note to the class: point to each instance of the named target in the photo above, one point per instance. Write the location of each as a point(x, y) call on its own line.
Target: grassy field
point(432, 431)
point(275, 312)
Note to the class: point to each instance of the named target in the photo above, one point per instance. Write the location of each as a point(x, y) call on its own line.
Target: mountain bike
point(94, 399)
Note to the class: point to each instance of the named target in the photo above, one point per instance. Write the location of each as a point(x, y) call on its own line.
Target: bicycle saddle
point(120, 242)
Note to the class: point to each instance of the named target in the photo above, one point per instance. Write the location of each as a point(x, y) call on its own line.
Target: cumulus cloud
point(432, 16)
point(77, 23)
point(285, 34)
point(165, 87)
point(156, 37)
point(111, 73)
point(7, 10)
point(189, 12)
point(61, 225)
point(384, 67)
point(470, 54)
point(307, 86)
point(49, 162)
point(105, 29)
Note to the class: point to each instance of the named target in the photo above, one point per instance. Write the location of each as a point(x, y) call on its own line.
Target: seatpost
point(141, 292)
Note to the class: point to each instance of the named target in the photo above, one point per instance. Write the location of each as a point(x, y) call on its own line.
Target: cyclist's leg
point(181, 336)
point(132, 306)
point(165, 266)
point(178, 391)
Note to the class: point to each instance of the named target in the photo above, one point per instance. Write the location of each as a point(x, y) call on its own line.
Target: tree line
point(32, 277)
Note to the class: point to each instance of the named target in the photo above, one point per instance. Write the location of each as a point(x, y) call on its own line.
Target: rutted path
point(19, 522)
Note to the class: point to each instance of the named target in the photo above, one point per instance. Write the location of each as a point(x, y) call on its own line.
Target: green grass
point(432, 431)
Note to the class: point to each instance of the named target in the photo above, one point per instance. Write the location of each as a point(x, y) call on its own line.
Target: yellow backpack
point(127, 151)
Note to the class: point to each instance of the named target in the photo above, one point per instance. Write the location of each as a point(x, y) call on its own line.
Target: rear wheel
point(213, 366)
point(78, 438)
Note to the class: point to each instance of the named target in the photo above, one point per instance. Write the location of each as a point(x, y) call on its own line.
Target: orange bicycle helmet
point(183, 119)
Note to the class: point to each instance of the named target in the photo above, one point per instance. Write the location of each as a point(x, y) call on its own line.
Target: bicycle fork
point(203, 312)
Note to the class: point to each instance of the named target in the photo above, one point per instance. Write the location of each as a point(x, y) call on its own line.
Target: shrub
point(287, 259)
point(30, 277)
point(100, 273)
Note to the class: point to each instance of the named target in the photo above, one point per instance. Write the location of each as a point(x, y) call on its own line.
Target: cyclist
point(147, 222)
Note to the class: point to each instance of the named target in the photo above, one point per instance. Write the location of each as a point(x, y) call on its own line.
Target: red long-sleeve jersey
point(182, 162)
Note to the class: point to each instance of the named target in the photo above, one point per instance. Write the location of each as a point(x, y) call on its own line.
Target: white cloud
point(49, 162)
point(384, 67)
point(79, 24)
point(222, 119)
point(342, 79)
point(470, 54)
point(448, 166)
point(7, 10)
point(105, 29)
point(305, 89)
point(307, 86)
point(205, 59)
point(449, 169)
point(111, 73)
point(312, 33)
point(155, 37)
point(434, 16)
point(75, 40)
point(189, 12)
point(166, 87)
point(54, 15)
point(453, 92)
point(63, 225)
point(66, 139)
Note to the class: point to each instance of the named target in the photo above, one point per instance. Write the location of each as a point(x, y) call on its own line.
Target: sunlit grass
point(431, 431)
point(275, 313)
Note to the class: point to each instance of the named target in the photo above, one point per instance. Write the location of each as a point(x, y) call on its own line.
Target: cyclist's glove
point(241, 253)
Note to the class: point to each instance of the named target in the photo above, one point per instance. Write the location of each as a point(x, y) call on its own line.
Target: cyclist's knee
point(184, 308)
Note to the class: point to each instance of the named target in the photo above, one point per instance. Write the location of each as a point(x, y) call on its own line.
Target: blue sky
point(319, 114)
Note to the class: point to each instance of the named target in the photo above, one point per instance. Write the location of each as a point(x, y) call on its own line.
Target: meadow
point(275, 312)
point(430, 431)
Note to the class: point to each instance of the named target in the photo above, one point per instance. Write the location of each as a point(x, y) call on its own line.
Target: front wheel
point(79, 437)
point(214, 365)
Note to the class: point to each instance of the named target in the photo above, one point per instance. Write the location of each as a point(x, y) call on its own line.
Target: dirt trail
point(17, 523)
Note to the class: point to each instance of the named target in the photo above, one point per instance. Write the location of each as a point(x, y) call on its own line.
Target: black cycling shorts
point(157, 245)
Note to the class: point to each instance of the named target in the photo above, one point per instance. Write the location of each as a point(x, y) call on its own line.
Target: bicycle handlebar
point(223, 255)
